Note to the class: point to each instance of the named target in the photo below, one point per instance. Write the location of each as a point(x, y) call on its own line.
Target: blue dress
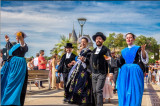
point(12, 77)
point(130, 80)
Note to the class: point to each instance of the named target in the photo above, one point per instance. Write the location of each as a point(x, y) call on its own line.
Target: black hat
point(68, 45)
point(99, 34)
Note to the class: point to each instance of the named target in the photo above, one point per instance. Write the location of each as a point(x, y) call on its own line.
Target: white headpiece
point(79, 40)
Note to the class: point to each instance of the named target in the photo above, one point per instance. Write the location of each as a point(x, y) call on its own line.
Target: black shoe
point(42, 86)
point(65, 100)
point(114, 92)
point(71, 102)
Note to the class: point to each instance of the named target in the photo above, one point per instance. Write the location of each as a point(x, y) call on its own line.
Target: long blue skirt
point(130, 85)
point(12, 79)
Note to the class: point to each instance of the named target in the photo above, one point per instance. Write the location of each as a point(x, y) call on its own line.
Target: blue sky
point(45, 21)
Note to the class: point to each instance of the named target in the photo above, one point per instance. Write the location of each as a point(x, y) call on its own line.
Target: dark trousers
point(65, 78)
point(35, 68)
point(98, 81)
point(41, 81)
point(115, 76)
point(24, 89)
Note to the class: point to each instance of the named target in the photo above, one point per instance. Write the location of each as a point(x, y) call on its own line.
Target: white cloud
point(44, 22)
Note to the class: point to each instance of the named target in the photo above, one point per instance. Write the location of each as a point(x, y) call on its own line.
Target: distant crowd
point(40, 63)
point(153, 76)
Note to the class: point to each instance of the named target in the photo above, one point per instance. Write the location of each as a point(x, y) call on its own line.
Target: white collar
point(98, 50)
point(130, 46)
point(68, 55)
point(84, 48)
point(99, 47)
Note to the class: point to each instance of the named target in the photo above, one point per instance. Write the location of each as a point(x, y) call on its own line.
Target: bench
point(38, 75)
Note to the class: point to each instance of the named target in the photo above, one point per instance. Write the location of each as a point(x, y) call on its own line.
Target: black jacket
point(114, 66)
point(63, 68)
point(101, 64)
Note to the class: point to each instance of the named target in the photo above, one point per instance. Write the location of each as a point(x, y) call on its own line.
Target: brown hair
point(41, 51)
point(85, 39)
point(133, 35)
point(54, 56)
point(37, 55)
point(30, 59)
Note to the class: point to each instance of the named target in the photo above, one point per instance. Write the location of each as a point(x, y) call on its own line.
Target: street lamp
point(81, 22)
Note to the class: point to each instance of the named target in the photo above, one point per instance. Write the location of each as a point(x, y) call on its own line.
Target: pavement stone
point(45, 97)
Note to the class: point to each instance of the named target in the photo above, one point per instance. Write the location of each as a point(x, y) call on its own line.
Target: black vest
point(98, 63)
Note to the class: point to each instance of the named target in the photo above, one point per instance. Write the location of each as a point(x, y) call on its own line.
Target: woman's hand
point(6, 38)
point(143, 47)
point(82, 58)
point(143, 51)
point(73, 62)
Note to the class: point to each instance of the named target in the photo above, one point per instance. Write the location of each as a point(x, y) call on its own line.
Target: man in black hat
point(99, 67)
point(65, 65)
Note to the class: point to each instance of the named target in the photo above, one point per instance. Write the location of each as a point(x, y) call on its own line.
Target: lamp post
point(81, 22)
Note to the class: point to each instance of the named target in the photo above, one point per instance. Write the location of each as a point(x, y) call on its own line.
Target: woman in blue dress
point(130, 82)
point(131, 76)
point(14, 72)
point(79, 79)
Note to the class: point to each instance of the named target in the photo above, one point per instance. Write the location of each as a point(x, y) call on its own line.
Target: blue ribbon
point(15, 47)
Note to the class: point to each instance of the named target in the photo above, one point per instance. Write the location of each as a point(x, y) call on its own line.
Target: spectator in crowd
point(61, 81)
point(30, 64)
point(50, 71)
point(114, 70)
point(41, 61)
point(149, 75)
point(54, 63)
point(158, 73)
point(57, 76)
point(41, 65)
point(153, 76)
point(36, 62)
point(108, 89)
point(146, 75)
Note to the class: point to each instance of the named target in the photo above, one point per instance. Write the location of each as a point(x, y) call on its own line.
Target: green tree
point(140, 40)
point(120, 41)
point(151, 46)
point(59, 47)
point(109, 42)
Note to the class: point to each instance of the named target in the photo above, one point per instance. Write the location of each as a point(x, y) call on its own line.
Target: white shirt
point(35, 62)
point(68, 55)
point(98, 50)
point(145, 61)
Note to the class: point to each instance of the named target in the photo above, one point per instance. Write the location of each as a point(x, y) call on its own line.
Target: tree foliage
point(113, 41)
point(59, 47)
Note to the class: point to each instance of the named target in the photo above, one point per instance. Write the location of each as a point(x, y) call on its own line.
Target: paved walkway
point(55, 97)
